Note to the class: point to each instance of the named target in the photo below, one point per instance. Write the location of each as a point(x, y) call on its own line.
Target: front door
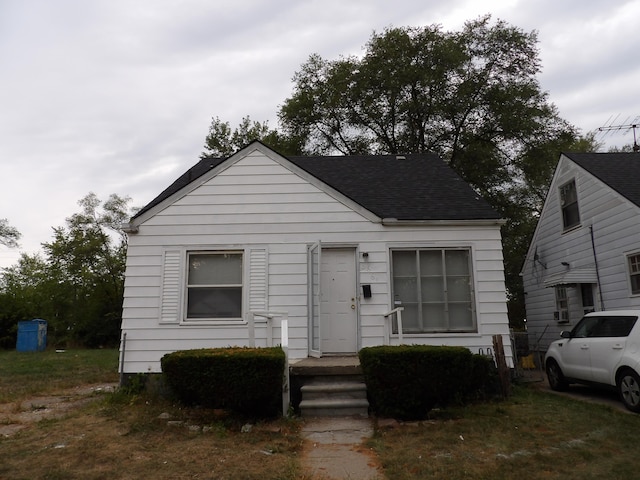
point(338, 301)
point(333, 314)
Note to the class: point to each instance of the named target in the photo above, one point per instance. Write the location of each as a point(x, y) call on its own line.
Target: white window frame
point(633, 270)
point(187, 286)
point(564, 206)
point(562, 303)
point(587, 290)
point(474, 323)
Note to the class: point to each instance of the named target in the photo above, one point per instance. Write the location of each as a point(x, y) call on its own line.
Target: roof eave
point(482, 222)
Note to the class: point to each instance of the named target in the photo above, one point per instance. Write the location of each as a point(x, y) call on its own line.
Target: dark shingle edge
point(199, 169)
point(408, 187)
point(619, 170)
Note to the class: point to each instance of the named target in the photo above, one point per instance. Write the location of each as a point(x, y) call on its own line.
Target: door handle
point(584, 347)
point(353, 307)
point(617, 346)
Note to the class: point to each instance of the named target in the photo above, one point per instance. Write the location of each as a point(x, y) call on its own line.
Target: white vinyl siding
point(272, 214)
point(615, 223)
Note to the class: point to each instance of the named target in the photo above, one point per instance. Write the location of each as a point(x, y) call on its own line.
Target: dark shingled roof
point(414, 187)
point(621, 171)
point(408, 187)
point(199, 169)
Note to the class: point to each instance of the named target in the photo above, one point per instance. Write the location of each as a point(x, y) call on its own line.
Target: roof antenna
point(631, 126)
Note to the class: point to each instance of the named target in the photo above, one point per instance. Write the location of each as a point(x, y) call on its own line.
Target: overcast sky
point(116, 96)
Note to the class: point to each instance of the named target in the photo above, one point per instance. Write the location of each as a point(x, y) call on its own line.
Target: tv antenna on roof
point(626, 126)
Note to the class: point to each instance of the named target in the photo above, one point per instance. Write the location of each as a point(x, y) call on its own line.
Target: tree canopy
point(223, 142)
point(78, 284)
point(471, 96)
point(9, 235)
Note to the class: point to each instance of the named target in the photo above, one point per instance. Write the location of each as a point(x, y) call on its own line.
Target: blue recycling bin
point(32, 336)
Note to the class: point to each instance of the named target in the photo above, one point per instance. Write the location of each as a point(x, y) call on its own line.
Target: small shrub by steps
point(244, 380)
point(407, 381)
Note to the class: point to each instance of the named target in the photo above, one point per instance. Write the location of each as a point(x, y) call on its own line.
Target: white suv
point(602, 349)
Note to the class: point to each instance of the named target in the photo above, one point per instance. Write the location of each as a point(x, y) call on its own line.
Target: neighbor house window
point(562, 304)
point(586, 293)
point(634, 273)
point(569, 204)
point(214, 286)
point(435, 288)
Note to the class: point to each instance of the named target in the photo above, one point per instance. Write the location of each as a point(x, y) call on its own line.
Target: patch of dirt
point(16, 416)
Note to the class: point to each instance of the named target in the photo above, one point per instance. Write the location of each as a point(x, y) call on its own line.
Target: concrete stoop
point(333, 449)
point(334, 399)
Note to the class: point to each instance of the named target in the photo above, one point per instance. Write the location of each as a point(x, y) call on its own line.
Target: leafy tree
point(471, 96)
point(88, 259)
point(524, 204)
point(78, 286)
point(24, 295)
point(9, 235)
point(223, 142)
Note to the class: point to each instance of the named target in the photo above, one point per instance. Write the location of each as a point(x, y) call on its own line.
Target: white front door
point(338, 301)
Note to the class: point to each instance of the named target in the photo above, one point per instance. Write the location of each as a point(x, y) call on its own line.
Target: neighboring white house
point(332, 244)
point(585, 252)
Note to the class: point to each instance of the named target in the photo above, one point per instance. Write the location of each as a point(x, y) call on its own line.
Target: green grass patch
point(24, 374)
point(533, 435)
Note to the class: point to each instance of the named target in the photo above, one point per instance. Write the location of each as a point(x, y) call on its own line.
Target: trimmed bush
point(407, 381)
point(244, 380)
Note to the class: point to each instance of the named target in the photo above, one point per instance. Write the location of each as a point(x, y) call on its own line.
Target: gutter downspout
point(595, 260)
point(123, 346)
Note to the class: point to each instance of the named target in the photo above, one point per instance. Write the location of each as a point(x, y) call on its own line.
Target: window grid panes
point(569, 204)
point(214, 286)
point(562, 303)
point(434, 286)
point(634, 273)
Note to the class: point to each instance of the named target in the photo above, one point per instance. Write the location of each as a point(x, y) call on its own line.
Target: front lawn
point(533, 435)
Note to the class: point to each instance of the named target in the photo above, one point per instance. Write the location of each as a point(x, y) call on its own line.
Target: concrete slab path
point(334, 449)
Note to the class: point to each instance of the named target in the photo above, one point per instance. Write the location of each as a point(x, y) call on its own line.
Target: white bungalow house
point(317, 252)
point(585, 252)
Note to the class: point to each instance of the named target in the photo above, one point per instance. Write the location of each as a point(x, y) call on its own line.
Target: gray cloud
point(114, 96)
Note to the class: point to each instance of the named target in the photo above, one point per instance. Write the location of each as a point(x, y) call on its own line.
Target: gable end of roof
point(413, 187)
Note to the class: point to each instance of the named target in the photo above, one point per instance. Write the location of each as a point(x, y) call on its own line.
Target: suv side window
point(590, 327)
point(615, 326)
point(586, 327)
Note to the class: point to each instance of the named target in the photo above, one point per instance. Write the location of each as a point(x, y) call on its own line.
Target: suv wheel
point(555, 376)
point(629, 388)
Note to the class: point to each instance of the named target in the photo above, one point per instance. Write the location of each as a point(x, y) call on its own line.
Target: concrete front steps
point(329, 387)
point(334, 398)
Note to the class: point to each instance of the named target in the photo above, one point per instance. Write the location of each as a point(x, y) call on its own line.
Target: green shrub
point(407, 381)
point(245, 380)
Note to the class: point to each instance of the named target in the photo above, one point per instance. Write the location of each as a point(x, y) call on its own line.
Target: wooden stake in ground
point(501, 363)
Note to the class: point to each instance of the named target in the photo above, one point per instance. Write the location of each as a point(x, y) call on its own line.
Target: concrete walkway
point(334, 449)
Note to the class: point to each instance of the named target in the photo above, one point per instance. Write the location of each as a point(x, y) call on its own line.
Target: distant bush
point(244, 380)
point(407, 381)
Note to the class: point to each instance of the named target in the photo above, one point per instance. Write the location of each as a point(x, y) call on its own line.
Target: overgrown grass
point(131, 436)
point(24, 374)
point(534, 435)
point(124, 437)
